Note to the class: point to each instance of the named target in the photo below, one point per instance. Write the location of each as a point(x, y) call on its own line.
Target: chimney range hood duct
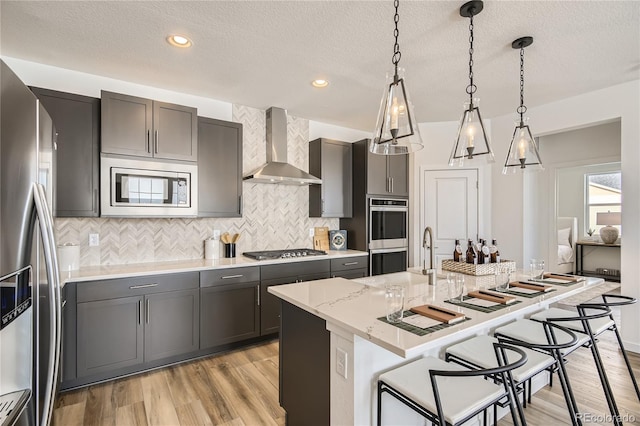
point(277, 170)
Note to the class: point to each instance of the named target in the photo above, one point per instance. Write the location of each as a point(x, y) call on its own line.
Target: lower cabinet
point(121, 323)
point(230, 313)
point(171, 324)
point(285, 274)
point(110, 335)
point(350, 267)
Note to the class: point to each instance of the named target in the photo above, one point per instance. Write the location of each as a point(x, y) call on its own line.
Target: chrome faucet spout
point(431, 272)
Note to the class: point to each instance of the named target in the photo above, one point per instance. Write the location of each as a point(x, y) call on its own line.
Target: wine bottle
point(471, 254)
point(479, 255)
point(486, 254)
point(457, 251)
point(495, 253)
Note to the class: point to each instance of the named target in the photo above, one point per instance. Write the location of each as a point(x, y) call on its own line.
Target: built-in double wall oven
point(388, 239)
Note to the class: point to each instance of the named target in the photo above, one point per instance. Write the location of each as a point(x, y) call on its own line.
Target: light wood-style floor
point(241, 388)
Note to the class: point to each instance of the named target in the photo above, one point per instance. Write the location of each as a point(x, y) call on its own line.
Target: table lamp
point(608, 234)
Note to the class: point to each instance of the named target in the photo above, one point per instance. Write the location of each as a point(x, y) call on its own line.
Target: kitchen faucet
point(431, 272)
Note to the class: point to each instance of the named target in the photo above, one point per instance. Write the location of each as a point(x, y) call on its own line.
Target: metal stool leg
point(626, 360)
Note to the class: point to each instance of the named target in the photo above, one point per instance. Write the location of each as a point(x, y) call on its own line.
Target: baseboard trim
point(631, 347)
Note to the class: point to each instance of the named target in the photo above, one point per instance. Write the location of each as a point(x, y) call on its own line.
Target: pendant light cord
point(396, 47)
point(471, 88)
point(521, 109)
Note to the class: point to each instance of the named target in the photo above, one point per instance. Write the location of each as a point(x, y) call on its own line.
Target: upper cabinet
point(386, 174)
point(331, 161)
point(146, 128)
point(219, 168)
point(77, 122)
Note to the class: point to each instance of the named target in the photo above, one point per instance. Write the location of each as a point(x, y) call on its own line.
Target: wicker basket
point(471, 269)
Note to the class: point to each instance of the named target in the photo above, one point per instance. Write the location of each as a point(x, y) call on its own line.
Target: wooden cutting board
point(530, 286)
point(561, 277)
point(439, 314)
point(505, 300)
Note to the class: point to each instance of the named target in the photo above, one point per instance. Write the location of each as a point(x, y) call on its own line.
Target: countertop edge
point(94, 273)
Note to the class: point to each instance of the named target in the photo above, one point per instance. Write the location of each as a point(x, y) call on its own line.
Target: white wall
point(438, 139)
point(508, 207)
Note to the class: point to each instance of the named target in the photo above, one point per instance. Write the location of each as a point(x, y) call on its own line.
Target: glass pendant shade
point(472, 142)
point(396, 130)
point(523, 152)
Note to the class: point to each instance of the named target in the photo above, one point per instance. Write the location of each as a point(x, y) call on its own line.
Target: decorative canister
point(69, 257)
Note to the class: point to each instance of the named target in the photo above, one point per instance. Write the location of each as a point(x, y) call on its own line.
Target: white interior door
point(450, 209)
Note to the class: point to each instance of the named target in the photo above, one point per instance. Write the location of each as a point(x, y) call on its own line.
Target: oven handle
point(388, 209)
point(389, 250)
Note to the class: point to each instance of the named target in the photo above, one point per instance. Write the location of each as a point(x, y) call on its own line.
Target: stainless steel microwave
point(147, 188)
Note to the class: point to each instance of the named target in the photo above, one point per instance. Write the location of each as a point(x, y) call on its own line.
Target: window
point(603, 194)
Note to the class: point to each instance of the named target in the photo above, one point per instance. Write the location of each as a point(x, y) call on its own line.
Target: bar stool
point(476, 353)
point(598, 326)
point(535, 335)
point(454, 395)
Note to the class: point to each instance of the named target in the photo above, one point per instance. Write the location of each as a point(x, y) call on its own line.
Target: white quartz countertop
point(355, 305)
point(93, 273)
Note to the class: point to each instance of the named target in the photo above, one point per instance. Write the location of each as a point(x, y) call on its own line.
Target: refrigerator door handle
point(51, 262)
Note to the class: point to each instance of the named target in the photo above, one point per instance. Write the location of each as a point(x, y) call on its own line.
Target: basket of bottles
point(473, 269)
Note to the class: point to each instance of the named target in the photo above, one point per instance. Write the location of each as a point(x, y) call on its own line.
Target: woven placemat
point(485, 309)
point(417, 330)
point(527, 295)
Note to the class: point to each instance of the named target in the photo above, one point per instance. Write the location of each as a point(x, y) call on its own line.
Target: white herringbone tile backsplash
point(274, 216)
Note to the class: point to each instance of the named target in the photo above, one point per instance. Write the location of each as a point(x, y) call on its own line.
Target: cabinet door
point(228, 313)
point(270, 305)
point(175, 132)
point(171, 324)
point(336, 180)
point(109, 335)
point(377, 179)
point(127, 122)
point(397, 170)
point(77, 122)
point(219, 168)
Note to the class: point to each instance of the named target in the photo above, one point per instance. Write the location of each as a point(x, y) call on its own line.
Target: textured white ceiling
point(265, 53)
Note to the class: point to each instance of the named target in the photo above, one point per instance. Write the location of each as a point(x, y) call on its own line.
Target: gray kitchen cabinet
point(171, 325)
point(77, 122)
point(331, 161)
point(385, 174)
point(229, 305)
point(146, 128)
point(109, 335)
point(126, 322)
point(350, 267)
point(219, 168)
point(285, 274)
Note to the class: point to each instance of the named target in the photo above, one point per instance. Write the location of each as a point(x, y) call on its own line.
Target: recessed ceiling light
point(319, 83)
point(179, 40)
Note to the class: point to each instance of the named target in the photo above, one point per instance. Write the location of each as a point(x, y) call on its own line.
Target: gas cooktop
point(282, 254)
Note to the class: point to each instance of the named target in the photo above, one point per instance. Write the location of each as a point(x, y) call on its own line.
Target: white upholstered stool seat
point(598, 325)
point(460, 396)
point(479, 352)
point(530, 331)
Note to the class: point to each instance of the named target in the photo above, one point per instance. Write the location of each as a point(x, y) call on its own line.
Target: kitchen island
point(332, 328)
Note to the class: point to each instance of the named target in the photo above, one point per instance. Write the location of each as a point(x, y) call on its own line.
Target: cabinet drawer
point(229, 276)
point(125, 287)
point(347, 263)
point(294, 269)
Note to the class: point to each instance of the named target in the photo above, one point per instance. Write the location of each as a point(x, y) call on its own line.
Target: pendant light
point(523, 152)
point(472, 140)
point(396, 130)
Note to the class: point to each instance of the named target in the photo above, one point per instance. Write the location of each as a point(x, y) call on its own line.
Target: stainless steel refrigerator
point(29, 281)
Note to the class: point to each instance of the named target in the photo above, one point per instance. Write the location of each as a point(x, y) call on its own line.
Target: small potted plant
point(590, 233)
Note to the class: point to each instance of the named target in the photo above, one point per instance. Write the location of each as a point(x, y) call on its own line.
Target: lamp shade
point(609, 218)
point(396, 131)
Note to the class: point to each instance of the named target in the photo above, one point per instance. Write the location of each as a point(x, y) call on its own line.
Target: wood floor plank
point(193, 413)
point(127, 391)
point(99, 405)
point(131, 415)
point(69, 415)
point(158, 404)
point(269, 369)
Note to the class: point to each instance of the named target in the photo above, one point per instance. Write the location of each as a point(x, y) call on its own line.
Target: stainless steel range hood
point(277, 170)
